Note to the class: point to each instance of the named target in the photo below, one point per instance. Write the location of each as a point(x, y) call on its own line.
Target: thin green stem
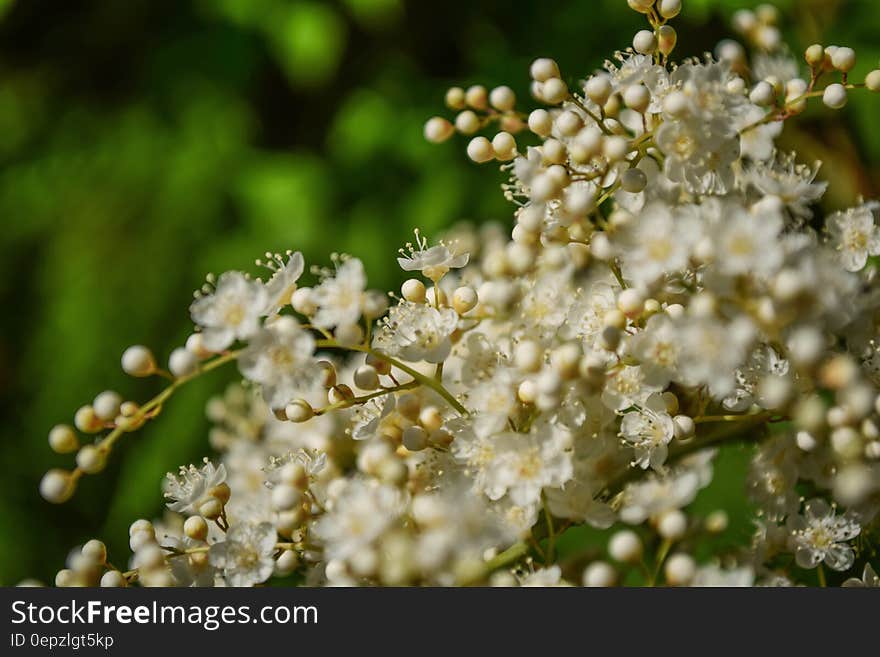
point(345, 403)
point(511, 555)
point(426, 381)
point(156, 402)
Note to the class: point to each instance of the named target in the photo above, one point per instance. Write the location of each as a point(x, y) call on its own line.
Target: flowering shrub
point(666, 289)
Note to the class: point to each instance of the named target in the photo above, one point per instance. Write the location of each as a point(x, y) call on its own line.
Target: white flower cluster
point(666, 290)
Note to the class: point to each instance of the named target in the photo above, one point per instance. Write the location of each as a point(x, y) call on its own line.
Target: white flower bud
point(630, 301)
point(415, 438)
point(286, 563)
point(730, 51)
point(565, 360)
point(299, 410)
point(366, 377)
point(763, 94)
point(113, 578)
point(637, 97)
point(349, 335)
point(86, 420)
point(669, 8)
point(569, 123)
point(872, 80)
point(543, 69)
point(554, 91)
point(138, 361)
point(467, 122)
point(641, 6)
point(504, 146)
point(680, 569)
point(554, 152)
point(814, 55)
point(106, 405)
point(834, 96)
point(540, 122)
point(90, 459)
point(625, 546)
point(528, 356)
point(302, 301)
point(149, 556)
point(63, 439)
point(285, 497)
point(480, 150)
point(502, 98)
point(196, 528)
point(684, 427)
point(645, 42)
point(339, 394)
point(196, 344)
point(437, 129)
point(57, 486)
point(454, 98)
point(464, 299)
point(527, 392)
point(844, 59)
point(601, 247)
point(633, 181)
point(615, 148)
point(599, 573)
point(141, 525)
point(94, 551)
point(676, 104)
point(182, 362)
point(672, 525)
point(66, 578)
point(598, 89)
point(717, 521)
point(413, 290)
point(477, 97)
point(846, 442)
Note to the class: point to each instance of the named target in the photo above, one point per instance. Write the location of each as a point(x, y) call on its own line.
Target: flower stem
point(426, 381)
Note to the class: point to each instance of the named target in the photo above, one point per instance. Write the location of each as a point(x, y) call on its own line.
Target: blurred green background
point(147, 142)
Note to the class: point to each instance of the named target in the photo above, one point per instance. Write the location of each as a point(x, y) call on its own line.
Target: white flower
point(245, 557)
point(416, 331)
point(369, 416)
point(434, 262)
point(657, 348)
point(657, 244)
point(712, 351)
point(714, 575)
point(763, 362)
point(189, 569)
point(747, 243)
point(869, 579)
point(649, 430)
point(339, 298)
point(792, 183)
point(819, 535)
point(282, 284)
point(544, 577)
point(584, 319)
point(360, 514)
point(279, 358)
point(231, 312)
point(189, 488)
point(625, 387)
point(855, 236)
point(522, 465)
point(655, 494)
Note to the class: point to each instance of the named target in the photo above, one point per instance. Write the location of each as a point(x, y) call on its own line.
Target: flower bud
point(138, 361)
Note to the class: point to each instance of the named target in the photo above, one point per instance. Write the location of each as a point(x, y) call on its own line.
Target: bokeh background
point(147, 142)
